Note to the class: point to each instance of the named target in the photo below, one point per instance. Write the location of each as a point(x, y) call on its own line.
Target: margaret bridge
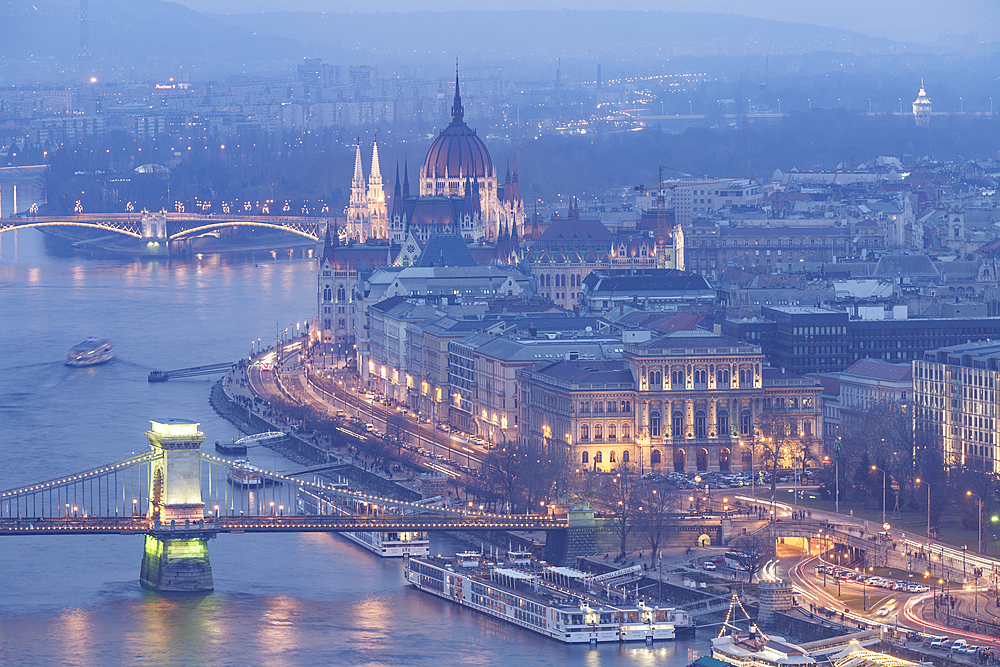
point(180, 497)
point(159, 234)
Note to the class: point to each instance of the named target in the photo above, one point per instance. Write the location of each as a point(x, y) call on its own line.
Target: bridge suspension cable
point(118, 489)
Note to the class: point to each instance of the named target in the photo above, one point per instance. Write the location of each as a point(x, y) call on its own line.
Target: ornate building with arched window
point(336, 297)
point(688, 401)
point(459, 193)
point(367, 216)
point(458, 160)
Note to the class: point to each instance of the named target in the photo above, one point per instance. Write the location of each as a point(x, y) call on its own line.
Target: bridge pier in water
point(176, 564)
point(174, 559)
point(154, 241)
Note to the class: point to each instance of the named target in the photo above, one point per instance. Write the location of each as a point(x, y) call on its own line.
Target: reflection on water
point(286, 599)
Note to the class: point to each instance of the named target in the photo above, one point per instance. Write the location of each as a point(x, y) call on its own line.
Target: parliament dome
point(458, 152)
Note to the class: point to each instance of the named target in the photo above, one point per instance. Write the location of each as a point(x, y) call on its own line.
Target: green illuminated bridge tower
point(179, 498)
point(172, 560)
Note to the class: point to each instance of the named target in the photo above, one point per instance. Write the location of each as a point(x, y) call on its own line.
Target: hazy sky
point(905, 20)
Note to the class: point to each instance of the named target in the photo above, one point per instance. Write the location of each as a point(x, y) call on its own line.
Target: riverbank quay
point(234, 400)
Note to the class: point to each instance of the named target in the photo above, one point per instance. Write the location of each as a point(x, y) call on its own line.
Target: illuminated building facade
point(689, 401)
point(367, 215)
point(955, 401)
point(922, 107)
point(336, 297)
point(458, 164)
point(459, 193)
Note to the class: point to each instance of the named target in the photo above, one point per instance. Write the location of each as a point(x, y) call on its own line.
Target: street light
point(884, 477)
point(918, 481)
point(836, 475)
point(979, 535)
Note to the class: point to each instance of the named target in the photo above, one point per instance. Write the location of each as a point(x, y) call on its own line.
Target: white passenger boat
point(238, 476)
point(91, 352)
point(392, 544)
point(543, 601)
point(753, 648)
point(388, 544)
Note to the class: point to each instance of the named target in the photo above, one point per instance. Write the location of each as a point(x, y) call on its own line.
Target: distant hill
point(139, 39)
point(498, 36)
point(129, 36)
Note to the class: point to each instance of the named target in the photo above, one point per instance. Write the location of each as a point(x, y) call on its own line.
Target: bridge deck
point(271, 524)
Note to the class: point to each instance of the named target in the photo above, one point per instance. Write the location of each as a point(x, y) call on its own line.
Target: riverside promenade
point(251, 410)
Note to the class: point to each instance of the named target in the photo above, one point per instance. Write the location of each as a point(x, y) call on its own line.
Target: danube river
point(284, 599)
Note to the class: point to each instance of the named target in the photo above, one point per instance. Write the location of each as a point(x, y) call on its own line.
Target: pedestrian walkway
point(237, 387)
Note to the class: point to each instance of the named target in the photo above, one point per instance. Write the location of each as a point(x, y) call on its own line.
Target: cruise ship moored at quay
point(552, 601)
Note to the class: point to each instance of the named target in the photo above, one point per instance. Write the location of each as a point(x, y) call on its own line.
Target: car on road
point(709, 565)
point(369, 427)
point(887, 608)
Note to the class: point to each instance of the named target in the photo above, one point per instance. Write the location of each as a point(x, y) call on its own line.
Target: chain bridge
point(158, 233)
point(180, 498)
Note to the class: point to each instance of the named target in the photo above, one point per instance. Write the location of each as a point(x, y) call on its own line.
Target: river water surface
point(309, 599)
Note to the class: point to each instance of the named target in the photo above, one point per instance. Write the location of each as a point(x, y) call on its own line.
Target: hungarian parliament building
point(459, 193)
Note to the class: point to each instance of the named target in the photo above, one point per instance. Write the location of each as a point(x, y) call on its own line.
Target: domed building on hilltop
point(922, 107)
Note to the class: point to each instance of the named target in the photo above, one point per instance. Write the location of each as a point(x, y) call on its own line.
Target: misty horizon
point(919, 21)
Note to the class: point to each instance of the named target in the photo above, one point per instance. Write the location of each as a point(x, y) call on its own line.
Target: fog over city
point(916, 21)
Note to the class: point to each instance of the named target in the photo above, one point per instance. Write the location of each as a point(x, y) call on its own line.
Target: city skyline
point(522, 331)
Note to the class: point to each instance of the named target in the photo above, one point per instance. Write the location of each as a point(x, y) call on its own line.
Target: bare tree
point(395, 427)
point(620, 496)
point(656, 503)
point(777, 444)
point(503, 473)
point(757, 548)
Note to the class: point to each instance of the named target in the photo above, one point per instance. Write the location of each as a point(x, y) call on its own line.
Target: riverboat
point(397, 544)
point(753, 648)
point(239, 476)
point(550, 601)
point(91, 352)
point(387, 544)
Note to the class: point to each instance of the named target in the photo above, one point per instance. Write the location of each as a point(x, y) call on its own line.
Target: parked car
point(938, 642)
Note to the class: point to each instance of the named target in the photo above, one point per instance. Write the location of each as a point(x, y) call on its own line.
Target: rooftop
point(876, 369)
point(445, 250)
point(589, 372)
